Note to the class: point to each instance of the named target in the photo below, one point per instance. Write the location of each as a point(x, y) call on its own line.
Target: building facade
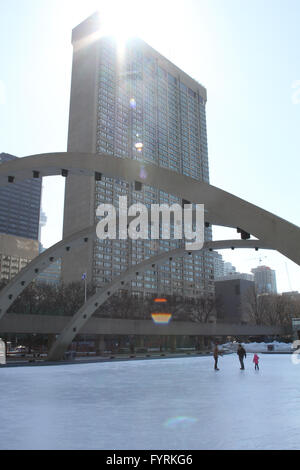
point(15, 254)
point(50, 275)
point(231, 299)
point(134, 105)
point(235, 276)
point(19, 223)
point(265, 280)
point(20, 206)
point(229, 268)
point(218, 264)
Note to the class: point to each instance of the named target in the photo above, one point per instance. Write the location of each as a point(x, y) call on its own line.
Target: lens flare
point(139, 146)
point(182, 421)
point(161, 318)
point(132, 103)
point(143, 173)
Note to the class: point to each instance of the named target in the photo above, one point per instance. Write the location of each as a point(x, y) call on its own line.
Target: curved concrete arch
point(16, 286)
point(222, 208)
point(87, 310)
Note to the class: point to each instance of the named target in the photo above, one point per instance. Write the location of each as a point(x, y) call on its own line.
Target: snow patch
point(259, 347)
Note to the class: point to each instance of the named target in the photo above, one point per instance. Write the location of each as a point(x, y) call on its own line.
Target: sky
point(244, 52)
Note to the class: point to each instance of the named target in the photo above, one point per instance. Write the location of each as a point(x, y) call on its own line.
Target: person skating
point(255, 360)
point(216, 356)
point(242, 354)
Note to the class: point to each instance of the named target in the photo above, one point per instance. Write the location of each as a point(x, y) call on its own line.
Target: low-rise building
point(231, 297)
point(292, 295)
point(15, 254)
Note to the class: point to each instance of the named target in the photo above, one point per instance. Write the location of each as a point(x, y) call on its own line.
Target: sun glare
point(121, 19)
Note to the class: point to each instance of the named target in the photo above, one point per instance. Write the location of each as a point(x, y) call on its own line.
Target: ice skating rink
point(153, 404)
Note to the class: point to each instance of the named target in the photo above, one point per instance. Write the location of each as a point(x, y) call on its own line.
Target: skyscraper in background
point(133, 104)
point(20, 206)
point(229, 268)
point(19, 223)
point(218, 264)
point(265, 280)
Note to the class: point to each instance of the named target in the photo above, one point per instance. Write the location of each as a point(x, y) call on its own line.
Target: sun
point(126, 19)
point(121, 19)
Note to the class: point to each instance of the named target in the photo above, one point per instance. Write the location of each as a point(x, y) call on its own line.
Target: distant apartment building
point(218, 264)
point(229, 268)
point(19, 223)
point(142, 107)
point(265, 280)
point(237, 276)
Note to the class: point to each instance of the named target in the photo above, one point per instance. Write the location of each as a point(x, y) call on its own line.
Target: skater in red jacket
point(255, 360)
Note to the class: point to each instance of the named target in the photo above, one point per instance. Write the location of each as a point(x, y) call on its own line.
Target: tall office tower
point(19, 223)
point(133, 104)
point(265, 280)
point(20, 206)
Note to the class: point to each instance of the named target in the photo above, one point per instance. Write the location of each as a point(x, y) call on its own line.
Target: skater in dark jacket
point(216, 356)
point(242, 354)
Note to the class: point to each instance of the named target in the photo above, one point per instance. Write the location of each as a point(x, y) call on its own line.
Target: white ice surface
point(177, 404)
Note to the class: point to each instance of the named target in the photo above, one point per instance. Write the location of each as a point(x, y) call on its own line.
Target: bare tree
point(282, 310)
point(204, 309)
point(254, 306)
point(121, 305)
point(43, 299)
point(270, 309)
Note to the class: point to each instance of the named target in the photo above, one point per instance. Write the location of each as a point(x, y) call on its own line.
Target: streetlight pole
point(84, 279)
point(84, 276)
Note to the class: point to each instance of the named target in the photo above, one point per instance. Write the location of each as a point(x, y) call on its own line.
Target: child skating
point(255, 360)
